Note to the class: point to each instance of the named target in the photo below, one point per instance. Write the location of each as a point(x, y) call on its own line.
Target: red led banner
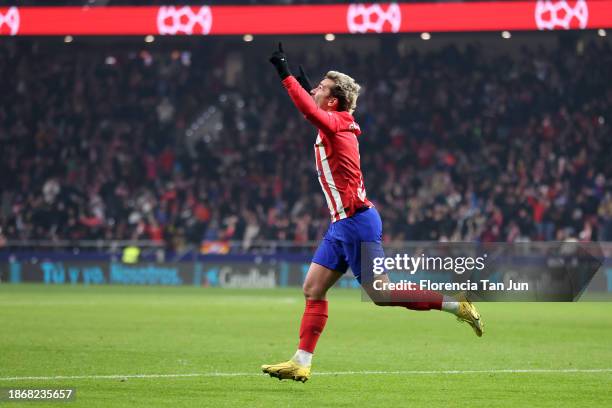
point(302, 19)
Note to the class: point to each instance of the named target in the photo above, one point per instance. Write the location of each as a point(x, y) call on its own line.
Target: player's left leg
point(327, 267)
point(318, 281)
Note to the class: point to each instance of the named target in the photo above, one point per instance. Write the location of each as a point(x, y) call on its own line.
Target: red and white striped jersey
point(336, 154)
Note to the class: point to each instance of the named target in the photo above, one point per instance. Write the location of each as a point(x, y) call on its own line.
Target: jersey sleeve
point(323, 120)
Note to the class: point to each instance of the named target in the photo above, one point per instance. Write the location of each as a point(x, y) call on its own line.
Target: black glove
point(303, 79)
point(279, 60)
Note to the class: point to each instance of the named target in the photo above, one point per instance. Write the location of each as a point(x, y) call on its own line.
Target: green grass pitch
point(368, 356)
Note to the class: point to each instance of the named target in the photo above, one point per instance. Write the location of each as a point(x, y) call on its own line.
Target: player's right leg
point(458, 305)
point(367, 244)
point(318, 281)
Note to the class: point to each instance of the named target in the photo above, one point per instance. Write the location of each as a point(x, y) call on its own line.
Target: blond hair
point(345, 89)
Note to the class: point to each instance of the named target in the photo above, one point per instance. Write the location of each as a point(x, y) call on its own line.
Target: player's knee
point(312, 291)
point(378, 298)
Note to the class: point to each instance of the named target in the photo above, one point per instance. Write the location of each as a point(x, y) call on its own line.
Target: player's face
point(322, 95)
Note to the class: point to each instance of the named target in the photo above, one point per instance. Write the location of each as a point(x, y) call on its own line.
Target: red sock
point(313, 323)
point(416, 299)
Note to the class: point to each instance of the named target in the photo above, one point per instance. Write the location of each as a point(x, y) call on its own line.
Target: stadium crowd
point(456, 145)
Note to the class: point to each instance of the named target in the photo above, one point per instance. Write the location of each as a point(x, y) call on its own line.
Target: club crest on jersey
point(354, 126)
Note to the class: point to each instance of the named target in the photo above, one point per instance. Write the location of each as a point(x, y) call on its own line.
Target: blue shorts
point(342, 244)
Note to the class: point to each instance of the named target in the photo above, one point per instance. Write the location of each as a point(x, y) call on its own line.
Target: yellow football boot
point(289, 370)
point(468, 313)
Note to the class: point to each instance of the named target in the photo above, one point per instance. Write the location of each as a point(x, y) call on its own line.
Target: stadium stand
point(171, 146)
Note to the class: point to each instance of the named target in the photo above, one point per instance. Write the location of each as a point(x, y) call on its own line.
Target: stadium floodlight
point(601, 32)
point(425, 36)
point(330, 37)
point(68, 39)
point(247, 38)
point(506, 35)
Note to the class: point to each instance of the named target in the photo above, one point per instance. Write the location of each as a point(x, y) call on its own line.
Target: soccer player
point(354, 220)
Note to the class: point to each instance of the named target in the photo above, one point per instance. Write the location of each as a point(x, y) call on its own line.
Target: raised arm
point(323, 120)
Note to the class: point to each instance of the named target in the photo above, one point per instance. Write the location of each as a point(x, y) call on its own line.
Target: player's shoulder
point(346, 122)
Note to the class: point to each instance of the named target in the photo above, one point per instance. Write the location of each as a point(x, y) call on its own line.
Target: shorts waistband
point(362, 209)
